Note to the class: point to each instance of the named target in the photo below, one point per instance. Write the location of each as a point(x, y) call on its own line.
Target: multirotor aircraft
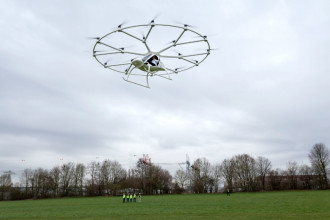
point(150, 63)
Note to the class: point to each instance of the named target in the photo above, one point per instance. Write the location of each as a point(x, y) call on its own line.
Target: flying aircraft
point(150, 63)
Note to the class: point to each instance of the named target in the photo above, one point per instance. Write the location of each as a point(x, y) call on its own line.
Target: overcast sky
point(264, 92)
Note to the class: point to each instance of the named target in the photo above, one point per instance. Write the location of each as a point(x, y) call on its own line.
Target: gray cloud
point(264, 92)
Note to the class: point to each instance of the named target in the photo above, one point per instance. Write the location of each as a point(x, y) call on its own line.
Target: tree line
point(241, 172)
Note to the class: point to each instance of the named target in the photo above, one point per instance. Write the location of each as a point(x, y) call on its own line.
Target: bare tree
point(112, 173)
point(25, 181)
point(79, 175)
point(34, 180)
point(66, 177)
point(319, 158)
point(306, 174)
point(54, 175)
point(161, 180)
point(181, 178)
point(216, 176)
point(245, 172)
point(118, 174)
point(200, 175)
point(142, 170)
point(93, 170)
point(292, 172)
point(151, 178)
point(131, 179)
point(42, 183)
point(275, 179)
point(206, 173)
point(228, 172)
point(5, 185)
point(106, 175)
point(263, 166)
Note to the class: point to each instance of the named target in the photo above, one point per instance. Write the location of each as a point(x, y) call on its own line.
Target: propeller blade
point(177, 52)
point(94, 38)
point(98, 51)
point(123, 48)
point(176, 69)
point(143, 35)
point(205, 36)
point(95, 51)
point(153, 20)
point(186, 25)
point(123, 23)
point(171, 42)
point(106, 63)
point(207, 50)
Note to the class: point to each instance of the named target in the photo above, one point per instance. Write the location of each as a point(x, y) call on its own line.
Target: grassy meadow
point(261, 205)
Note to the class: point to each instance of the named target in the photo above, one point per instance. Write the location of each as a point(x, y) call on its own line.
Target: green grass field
point(267, 205)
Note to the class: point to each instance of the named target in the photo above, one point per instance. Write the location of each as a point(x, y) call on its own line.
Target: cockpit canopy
point(148, 57)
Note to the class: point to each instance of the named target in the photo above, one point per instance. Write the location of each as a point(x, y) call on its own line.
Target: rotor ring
point(122, 30)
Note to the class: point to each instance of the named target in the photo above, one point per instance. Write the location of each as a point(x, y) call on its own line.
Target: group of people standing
point(131, 197)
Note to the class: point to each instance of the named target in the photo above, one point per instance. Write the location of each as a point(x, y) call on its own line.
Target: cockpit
point(152, 59)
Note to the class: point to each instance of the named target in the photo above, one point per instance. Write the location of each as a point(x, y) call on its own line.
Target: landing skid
point(130, 70)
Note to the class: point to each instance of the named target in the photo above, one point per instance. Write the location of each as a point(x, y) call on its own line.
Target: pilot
point(154, 61)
